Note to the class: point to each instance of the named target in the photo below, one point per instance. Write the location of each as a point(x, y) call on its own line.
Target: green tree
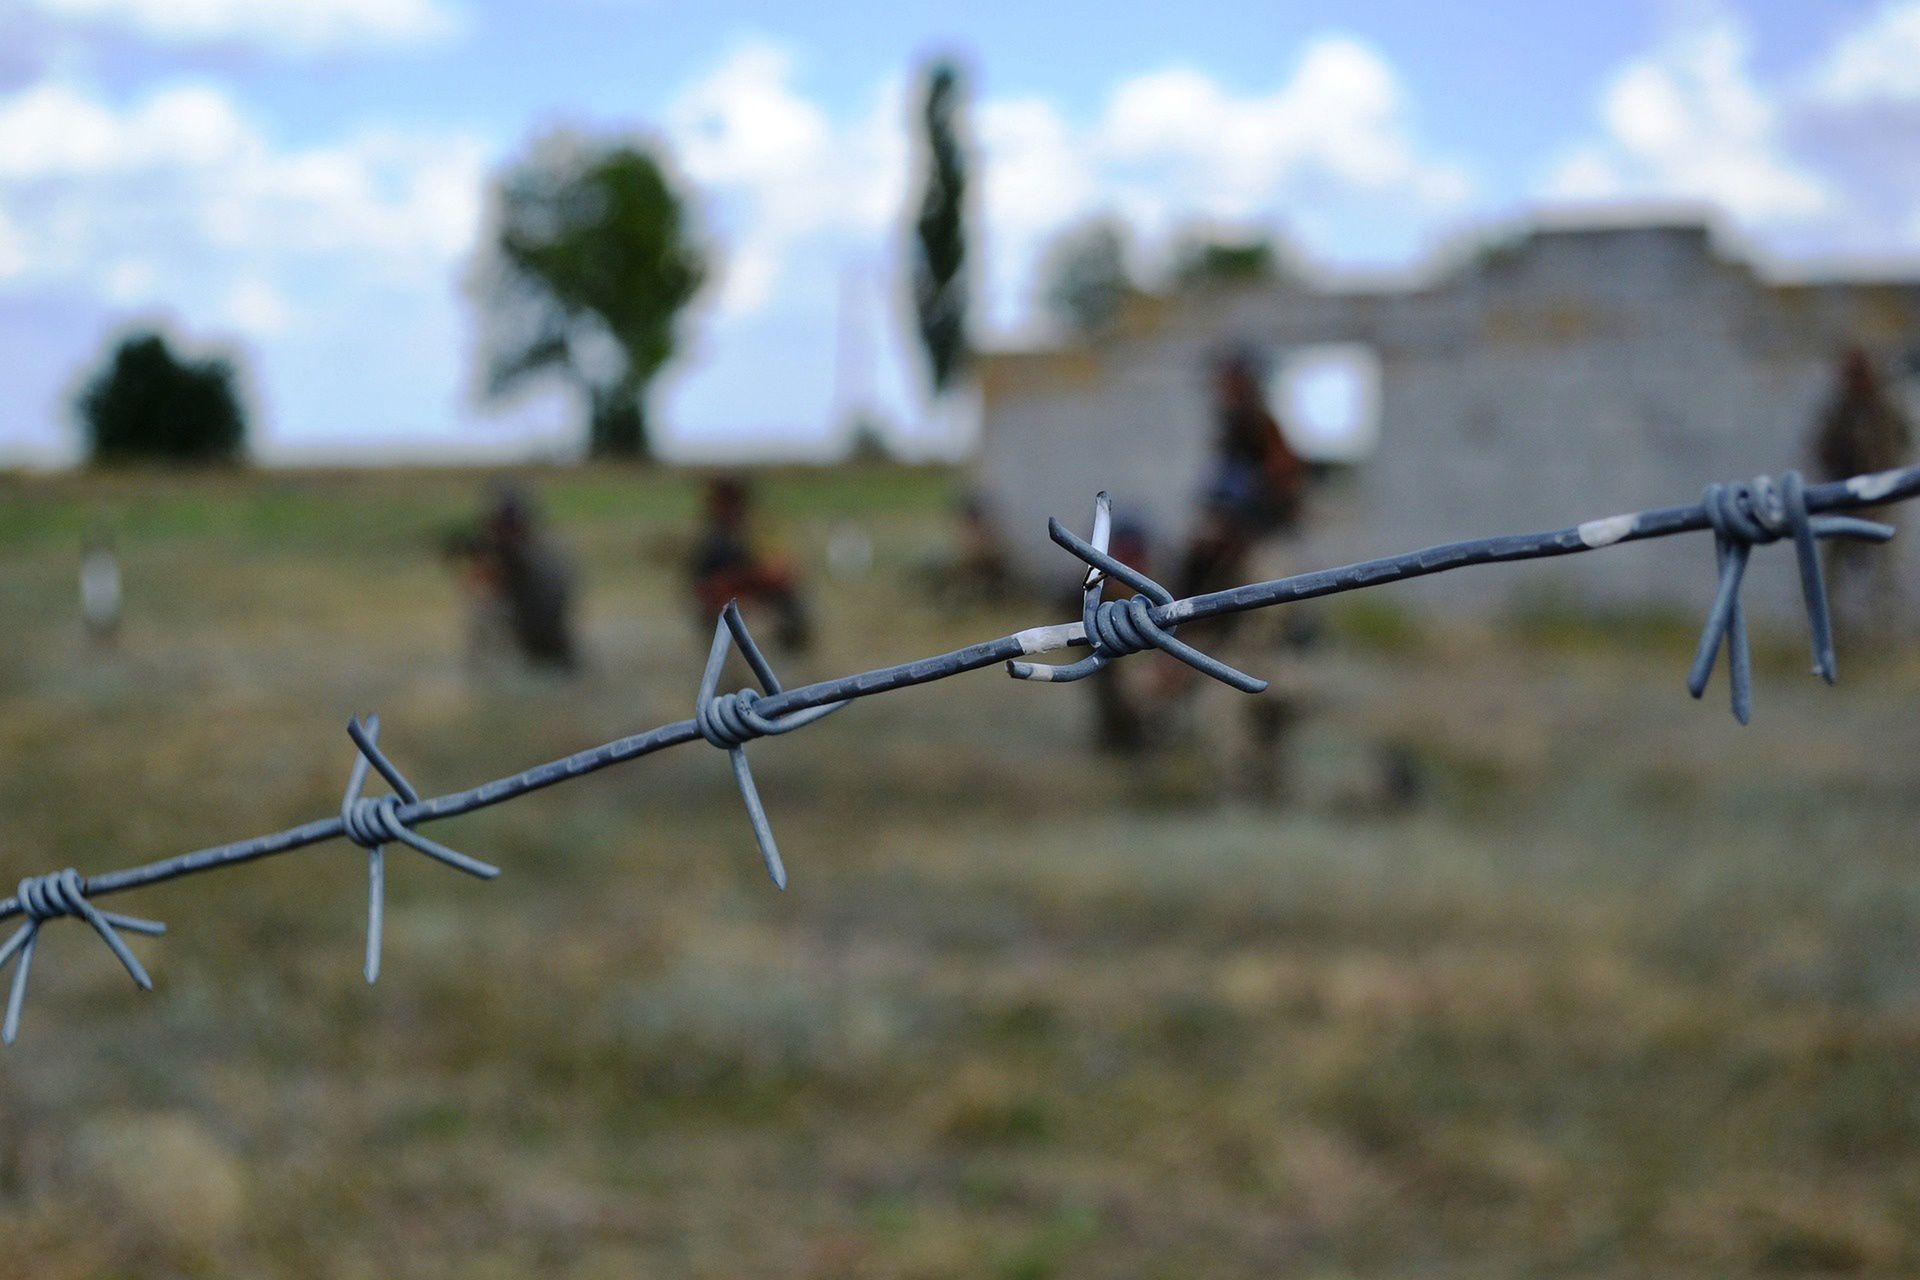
point(940, 231)
point(1084, 277)
point(1204, 259)
point(593, 263)
point(149, 403)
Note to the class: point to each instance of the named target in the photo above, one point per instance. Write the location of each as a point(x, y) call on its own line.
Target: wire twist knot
point(1116, 628)
point(372, 822)
point(1121, 627)
point(52, 896)
point(1751, 513)
point(729, 721)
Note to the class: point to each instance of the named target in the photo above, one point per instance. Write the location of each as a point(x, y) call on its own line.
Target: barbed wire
point(1741, 515)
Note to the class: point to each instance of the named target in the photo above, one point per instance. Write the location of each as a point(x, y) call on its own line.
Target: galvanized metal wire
point(1741, 516)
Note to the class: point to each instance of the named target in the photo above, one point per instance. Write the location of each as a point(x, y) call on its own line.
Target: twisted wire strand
point(1740, 516)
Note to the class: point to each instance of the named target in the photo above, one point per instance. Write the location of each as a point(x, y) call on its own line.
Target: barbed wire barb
point(371, 822)
point(1752, 513)
point(48, 897)
point(1117, 628)
point(729, 722)
point(1741, 516)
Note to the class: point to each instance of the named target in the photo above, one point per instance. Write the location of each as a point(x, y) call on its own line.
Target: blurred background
point(458, 361)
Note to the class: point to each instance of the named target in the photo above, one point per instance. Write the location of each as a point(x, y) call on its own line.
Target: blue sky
point(303, 181)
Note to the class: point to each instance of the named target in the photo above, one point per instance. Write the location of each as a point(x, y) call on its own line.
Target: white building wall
point(1579, 375)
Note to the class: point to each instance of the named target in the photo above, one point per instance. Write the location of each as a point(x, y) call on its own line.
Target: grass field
point(1630, 992)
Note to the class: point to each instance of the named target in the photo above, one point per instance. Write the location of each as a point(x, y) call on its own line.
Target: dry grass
point(1632, 992)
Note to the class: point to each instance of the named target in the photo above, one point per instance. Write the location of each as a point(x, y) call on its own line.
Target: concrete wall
point(1570, 375)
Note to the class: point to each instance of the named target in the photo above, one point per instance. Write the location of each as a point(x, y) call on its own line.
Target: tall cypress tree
point(940, 246)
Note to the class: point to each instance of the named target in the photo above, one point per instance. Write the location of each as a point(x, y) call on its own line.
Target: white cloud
point(294, 26)
point(1329, 151)
point(810, 207)
point(333, 266)
point(1038, 172)
point(1857, 109)
point(1167, 146)
point(56, 131)
point(255, 307)
point(1815, 162)
point(1687, 121)
point(1341, 118)
point(1328, 154)
point(129, 282)
point(1878, 60)
point(781, 172)
point(744, 124)
point(180, 194)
